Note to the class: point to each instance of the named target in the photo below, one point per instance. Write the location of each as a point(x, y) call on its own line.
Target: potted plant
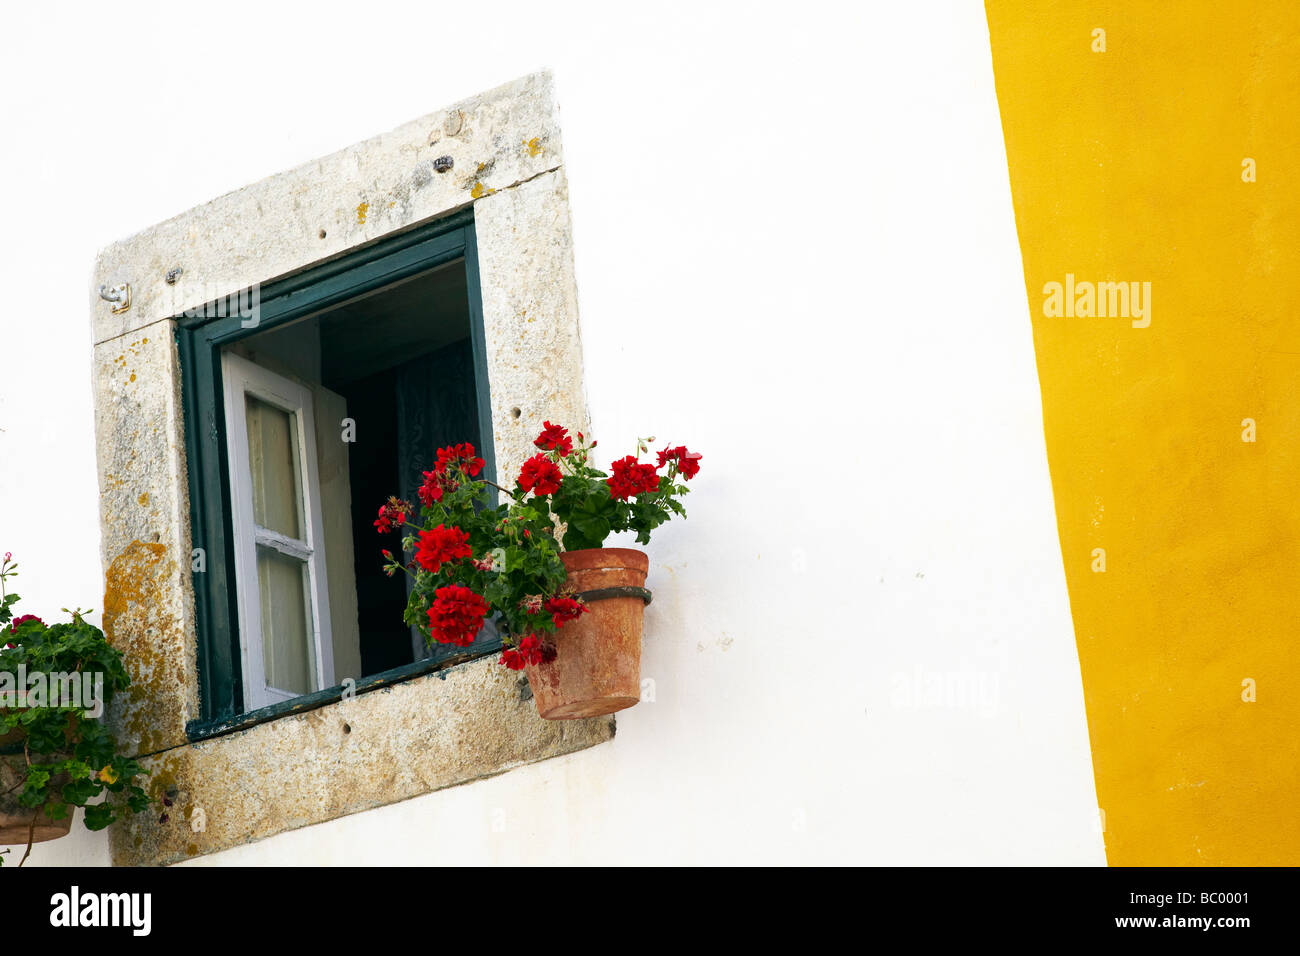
point(54, 754)
point(570, 610)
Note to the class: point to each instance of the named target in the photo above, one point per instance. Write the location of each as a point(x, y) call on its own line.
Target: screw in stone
point(442, 164)
point(173, 275)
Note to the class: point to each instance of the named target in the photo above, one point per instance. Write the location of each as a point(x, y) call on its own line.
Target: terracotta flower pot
point(597, 668)
point(12, 738)
point(16, 820)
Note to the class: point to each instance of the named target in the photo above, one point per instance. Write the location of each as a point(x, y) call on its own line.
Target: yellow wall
point(1127, 165)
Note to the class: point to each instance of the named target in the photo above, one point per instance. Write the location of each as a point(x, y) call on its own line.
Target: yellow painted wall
point(1127, 165)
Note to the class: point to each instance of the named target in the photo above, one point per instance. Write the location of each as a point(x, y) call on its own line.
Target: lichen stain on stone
point(125, 579)
point(143, 500)
point(533, 146)
point(131, 605)
point(361, 212)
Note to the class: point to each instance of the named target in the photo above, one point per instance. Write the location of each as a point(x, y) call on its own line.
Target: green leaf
point(79, 791)
point(99, 815)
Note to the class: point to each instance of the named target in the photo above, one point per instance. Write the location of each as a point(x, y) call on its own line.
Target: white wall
point(796, 254)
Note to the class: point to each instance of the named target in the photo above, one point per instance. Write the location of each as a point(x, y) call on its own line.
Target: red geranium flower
point(441, 546)
point(688, 462)
point(456, 615)
point(565, 609)
point(432, 489)
point(23, 619)
point(531, 650)
point(459, 456)
point(390, 512)
point(540, 475)
point(553, 437)
point(631, 478)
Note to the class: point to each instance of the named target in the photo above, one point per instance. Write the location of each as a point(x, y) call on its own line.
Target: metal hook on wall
point(118, 294)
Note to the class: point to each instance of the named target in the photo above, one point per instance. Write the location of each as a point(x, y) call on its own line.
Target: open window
point(357, 278)
point(333, 396)
point(278, 535)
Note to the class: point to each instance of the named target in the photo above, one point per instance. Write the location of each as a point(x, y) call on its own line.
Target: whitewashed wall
point(796, 254)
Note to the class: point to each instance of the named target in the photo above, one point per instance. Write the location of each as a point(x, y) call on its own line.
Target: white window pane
point(286, 622)
point(273, 462)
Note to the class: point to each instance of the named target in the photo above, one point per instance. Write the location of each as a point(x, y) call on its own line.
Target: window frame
point(200, 340)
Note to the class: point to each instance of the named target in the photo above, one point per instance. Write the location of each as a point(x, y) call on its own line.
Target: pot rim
point(590, 559)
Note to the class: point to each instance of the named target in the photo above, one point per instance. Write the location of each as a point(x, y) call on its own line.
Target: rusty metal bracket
point(623, 591)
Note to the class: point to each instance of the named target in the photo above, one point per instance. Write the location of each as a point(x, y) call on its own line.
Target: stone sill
point(401, 740)
point(197, 730)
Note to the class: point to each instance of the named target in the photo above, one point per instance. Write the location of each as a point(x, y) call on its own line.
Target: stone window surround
point(403, 740)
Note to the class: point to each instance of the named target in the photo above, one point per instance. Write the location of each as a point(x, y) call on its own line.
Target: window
point(300, 419)
point(165, 476)
point(284, 608)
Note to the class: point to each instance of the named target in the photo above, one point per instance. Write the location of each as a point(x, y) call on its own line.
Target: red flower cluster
point(540, 475)
point(631, 478)
point(441, 546)
point(688, 462)
point(19, 622)
point(565, 609)
point(456, 615)
point(530, 651)
point(432, 490)
point(459, 456)
point(438, 482)
point(553, 437)
point(393, 511)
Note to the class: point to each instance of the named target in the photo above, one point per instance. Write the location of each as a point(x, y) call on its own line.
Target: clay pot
point(15, 736)
point(16, 820)
point(597, 667)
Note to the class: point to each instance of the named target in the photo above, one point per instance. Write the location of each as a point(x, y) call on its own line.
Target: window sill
point(414, 734)
point(197, 730)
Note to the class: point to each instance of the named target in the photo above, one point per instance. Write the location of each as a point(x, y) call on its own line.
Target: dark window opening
point(337, 398)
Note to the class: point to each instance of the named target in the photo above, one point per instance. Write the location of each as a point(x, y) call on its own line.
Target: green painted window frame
point(199, 341)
